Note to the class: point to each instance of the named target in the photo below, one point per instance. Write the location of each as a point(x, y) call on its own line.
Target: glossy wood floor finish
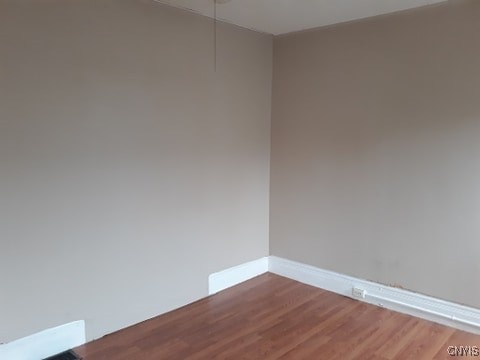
point(271, 317)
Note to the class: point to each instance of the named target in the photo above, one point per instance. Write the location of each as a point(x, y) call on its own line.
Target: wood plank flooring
point(271, 317)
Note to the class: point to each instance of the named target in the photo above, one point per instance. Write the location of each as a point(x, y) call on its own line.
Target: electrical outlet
point(358, 293)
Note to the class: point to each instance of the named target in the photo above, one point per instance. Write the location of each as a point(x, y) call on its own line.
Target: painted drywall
point(129, 169)
point(375, 148)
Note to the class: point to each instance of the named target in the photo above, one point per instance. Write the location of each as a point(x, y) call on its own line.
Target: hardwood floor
point(271, 317)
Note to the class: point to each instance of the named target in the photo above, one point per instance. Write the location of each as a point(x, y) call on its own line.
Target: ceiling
point(283, 16)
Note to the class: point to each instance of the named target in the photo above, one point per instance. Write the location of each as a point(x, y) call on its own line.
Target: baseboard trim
point(407, 302)
point(45, 343)
point(227, 278)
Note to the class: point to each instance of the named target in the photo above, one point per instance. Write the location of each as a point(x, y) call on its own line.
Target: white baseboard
point(407, 302)
point(224, 279)
point(45, 343)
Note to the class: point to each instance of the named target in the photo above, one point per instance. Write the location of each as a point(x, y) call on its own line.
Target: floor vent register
point(67, 355)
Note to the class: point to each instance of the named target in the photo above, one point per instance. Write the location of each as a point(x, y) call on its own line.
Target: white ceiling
point(284, 16)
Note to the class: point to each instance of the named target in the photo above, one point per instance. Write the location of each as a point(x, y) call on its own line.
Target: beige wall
point(129, 170)
point(376, 148)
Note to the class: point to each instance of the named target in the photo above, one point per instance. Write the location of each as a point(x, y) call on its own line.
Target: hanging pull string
point(215, 35)
point(215, 21)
